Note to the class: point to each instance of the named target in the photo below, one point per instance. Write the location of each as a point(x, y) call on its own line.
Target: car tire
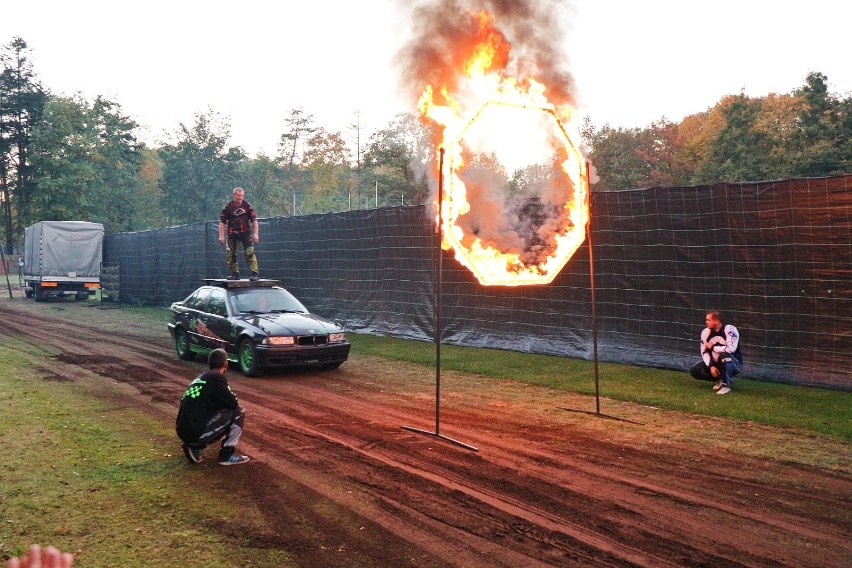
point(247, 358)
point(182, 345)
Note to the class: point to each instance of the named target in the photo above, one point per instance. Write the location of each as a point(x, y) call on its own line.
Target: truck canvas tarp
point(62, 257)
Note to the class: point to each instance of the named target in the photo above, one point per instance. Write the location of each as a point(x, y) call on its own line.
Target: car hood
point(291, 324)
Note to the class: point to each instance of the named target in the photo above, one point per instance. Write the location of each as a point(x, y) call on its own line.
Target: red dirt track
point(341, 483)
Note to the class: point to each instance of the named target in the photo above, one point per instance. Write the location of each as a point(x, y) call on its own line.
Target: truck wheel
point(182, 345)
point(247, 358)
point(37, 293)
point(28, 293)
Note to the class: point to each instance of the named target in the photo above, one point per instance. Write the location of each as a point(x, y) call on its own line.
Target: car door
point(192, 317)
point(219, 328)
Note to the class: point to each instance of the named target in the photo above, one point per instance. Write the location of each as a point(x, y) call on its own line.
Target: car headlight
point(279, 340)
point(336, 337)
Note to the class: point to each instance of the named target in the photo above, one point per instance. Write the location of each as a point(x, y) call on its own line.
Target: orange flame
point(482, 120)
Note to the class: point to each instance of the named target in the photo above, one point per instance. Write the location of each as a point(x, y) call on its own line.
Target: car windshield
point(265, 300)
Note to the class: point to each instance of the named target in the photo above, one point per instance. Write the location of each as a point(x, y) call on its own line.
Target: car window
point(244, 302)
point(198, 300)
point(265, 300)
point(216, 303)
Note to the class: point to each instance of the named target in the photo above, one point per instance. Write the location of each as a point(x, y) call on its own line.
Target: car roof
point(230, 284)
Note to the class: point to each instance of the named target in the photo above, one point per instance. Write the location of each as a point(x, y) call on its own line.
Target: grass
point(821, 411)
point(98, 480)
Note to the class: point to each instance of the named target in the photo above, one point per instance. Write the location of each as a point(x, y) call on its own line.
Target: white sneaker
point(723, 390)
point(234, 459)
point(717, 386)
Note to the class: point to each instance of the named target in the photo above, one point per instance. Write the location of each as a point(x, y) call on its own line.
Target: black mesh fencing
point(775, 257)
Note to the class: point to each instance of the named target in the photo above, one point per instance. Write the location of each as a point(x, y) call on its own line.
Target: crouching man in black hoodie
point(209, 410)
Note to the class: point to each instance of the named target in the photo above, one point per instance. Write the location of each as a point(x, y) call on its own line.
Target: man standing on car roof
point(209, 410)
point(241, 220)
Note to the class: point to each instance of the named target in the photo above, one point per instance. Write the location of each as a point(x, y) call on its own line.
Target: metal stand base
point(441, 436)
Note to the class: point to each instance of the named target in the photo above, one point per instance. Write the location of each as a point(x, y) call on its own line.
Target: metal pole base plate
point(600, 415)
point(441, 436)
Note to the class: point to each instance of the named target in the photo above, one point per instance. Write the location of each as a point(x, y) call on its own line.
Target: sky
point(253, 61)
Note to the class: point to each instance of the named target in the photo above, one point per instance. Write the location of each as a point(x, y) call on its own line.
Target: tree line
point(67, 158)
point(805, 133)
point(63, 157)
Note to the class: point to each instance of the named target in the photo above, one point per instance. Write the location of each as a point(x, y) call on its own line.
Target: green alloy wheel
point(247, 355)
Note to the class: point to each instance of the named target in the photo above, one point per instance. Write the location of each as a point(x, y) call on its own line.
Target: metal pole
point(377, 194)
point(595, 319)
point(438, 294)
point(592, 289)
point(439, 278)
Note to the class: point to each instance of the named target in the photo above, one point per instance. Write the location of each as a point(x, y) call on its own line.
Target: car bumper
point(276, 356)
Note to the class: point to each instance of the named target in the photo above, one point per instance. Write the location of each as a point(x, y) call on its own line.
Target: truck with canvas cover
point(62, 258)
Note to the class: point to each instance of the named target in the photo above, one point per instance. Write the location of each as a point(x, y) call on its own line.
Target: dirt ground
point(548, 486)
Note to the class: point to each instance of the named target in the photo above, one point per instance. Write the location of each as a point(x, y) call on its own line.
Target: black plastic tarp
point(775, 257)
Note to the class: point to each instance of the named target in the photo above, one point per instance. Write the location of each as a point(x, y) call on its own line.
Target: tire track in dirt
point(407, 480)
point(538, 493)
point(644, 497)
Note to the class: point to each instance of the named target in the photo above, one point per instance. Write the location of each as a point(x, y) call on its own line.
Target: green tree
point(614, 151)
point(266, 188)
point(740, 151)
point(22, 100)
point(299, 126)
point(147, 203)
point(62, 147)
point(332, 181)
point(400, 157)
point(804, 133)
point(199, 169)
point(118, 161)
point(821, 144)
point(86, 162)
point(778, 121)
point(695, 135)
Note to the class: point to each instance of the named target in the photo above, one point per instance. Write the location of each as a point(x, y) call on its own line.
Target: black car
point(259, 324)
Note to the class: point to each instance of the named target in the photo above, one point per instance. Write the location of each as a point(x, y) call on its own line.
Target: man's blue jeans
point(729, 365)
point(733, 367)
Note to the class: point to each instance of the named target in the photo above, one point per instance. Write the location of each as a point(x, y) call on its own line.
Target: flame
point(483, 119)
